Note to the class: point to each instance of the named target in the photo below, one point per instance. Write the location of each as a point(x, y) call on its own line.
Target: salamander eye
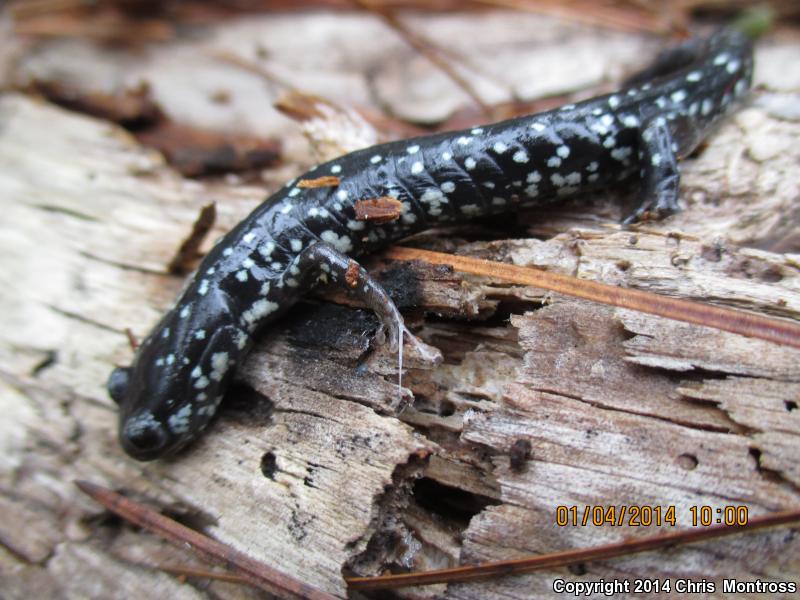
point(117, 383)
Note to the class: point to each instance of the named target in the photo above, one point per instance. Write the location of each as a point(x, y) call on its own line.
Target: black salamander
point(300, 236)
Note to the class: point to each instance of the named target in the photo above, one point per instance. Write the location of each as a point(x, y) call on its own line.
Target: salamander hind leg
point(659, 172)
point(321, 261)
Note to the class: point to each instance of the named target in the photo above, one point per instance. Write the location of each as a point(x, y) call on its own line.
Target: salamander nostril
point(143, 437)
point(148, 439)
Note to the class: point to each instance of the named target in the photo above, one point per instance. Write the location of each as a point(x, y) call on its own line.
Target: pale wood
point(619, 407)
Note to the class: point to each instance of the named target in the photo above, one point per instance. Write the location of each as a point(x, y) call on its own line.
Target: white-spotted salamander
point(300, 235)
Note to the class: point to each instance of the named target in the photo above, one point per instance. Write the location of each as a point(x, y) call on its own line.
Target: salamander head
point(172, 390)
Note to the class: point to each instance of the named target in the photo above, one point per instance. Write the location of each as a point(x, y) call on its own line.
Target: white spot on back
point(592, 167)
point(241, 339)
point(335, 169)
point(248, 237)
point(179, 421)
point(266, 249)
point(469, 163)
point(412, 149)
point(706, 106)
point(621, 153)
point(655, 160)
point(417, 168)
point(499, 147)
point(259, 309)
point(375, 159)
point(296, 245)
point(534, 177)
point(613, 101)
point(678, 96)
point(200, 334)
point(342, 195)
point(563, 151)
point(355, 225)
point(694, 76)
point(446, 156)
point(448, 187)
point(630, 121)
point(219, 365)
point(520, 156)
point(721, 59)
point(341, 243)
point(553, 162)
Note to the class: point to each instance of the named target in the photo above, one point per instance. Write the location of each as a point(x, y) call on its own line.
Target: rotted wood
point(319, 465)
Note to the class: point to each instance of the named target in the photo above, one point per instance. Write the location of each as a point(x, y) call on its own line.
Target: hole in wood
point(450, 502)
point(446, 408)
point(687, 461)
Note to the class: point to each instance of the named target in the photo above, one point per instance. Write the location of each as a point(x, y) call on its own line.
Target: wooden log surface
point(318, 465)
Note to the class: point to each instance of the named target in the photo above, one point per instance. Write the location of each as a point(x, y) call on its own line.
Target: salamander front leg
point(659, 172)
point(322, 261)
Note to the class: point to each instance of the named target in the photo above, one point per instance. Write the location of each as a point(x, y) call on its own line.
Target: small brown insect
point(519, 454)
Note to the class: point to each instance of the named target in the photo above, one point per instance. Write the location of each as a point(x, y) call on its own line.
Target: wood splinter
point(325, 181)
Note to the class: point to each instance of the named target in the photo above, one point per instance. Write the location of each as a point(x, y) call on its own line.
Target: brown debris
point(302, 107)
point(379, 210)
point(325, 181)
point(196, 152)
point(351, 275)
point(188, 252)
point(106, 24)
point(131, 107)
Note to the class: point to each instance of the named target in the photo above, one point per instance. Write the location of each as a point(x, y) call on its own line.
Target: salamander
point(302, 235)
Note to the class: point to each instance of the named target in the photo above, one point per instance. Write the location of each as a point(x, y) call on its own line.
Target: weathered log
point(320, 466)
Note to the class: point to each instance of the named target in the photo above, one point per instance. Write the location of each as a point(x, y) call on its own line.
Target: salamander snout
point(143, 437)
